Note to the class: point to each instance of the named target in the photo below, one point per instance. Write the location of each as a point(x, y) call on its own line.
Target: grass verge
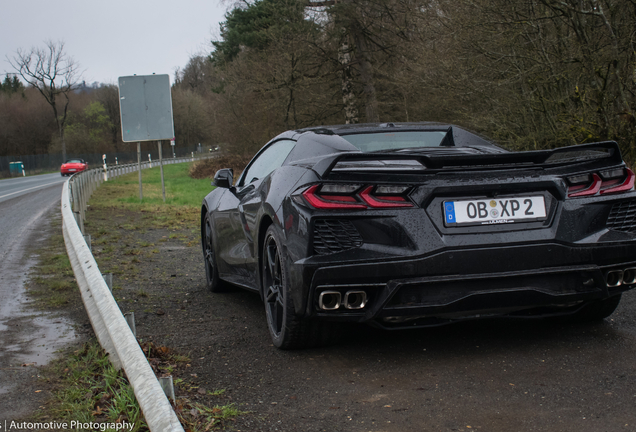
point(89, 389)
point(124, 234)
point(83, 385)
point(181, 189)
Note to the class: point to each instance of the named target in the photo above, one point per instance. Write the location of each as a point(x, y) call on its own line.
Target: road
point(16, 187)
point(26, 337)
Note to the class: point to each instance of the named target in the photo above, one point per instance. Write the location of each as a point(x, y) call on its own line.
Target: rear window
point(371, 142)
point(74, 161)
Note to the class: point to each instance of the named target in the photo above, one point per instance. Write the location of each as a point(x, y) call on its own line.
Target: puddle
point(34, 340)
point(26, 336)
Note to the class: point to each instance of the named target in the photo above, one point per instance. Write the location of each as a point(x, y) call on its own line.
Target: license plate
point(72, 169)
point(494, 211)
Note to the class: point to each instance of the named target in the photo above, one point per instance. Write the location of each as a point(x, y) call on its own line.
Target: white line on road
point(35, 187)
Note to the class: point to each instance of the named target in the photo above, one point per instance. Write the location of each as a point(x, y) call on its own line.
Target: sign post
point(163, 186)
point(141, 193)
point(145, 104)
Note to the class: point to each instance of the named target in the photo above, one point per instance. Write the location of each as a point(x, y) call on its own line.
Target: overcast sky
point(113, 38)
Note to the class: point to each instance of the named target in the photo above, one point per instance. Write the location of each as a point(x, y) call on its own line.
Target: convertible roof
point(375, 127)
point(317, 142)
point(458, 137)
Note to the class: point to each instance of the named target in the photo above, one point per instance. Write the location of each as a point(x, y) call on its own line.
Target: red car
point(72, 166)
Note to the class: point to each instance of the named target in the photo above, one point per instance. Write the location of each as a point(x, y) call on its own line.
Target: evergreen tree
point(11, 85)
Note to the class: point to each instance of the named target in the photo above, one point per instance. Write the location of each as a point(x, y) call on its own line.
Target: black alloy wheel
point(214, 284)
point(274, 282)
point(288, 330)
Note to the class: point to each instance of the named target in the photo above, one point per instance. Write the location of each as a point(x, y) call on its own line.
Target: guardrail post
point(80, 204)
point(168, 386)
point(89, 186)
point(130, 319)
point(83, 182)
point(108, 277)
point(73, 196)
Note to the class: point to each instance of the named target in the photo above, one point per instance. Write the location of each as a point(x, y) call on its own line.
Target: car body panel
point(73, 166)
point(540, 267)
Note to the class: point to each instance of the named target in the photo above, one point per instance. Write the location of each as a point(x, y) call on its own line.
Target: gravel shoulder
point(490, 375)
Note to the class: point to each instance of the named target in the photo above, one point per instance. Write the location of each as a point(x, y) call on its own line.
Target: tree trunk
point(348, 95)
point(366, 75)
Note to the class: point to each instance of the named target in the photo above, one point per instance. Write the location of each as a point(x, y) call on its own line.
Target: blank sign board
point(146, 108)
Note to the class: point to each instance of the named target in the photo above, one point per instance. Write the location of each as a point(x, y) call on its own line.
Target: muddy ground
point(490, 376)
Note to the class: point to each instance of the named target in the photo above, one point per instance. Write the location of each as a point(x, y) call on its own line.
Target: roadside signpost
point(145, 104)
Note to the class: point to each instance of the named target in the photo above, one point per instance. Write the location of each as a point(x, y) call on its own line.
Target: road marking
point(35, 187)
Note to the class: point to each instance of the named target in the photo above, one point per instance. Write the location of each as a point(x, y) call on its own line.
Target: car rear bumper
point(531, 280)
point(71, 170)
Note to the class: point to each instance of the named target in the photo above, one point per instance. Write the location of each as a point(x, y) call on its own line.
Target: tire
point(214, 283)
point(288, 331)
point(598, 310)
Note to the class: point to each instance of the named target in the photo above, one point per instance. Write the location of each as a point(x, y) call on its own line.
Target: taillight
point(589, 188)
point(626, 185)
point(383, 201)
point(355, 197)
point(604, 182)
point(331, 202)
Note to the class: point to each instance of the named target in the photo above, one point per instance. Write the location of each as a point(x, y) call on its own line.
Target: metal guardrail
point(109, 324)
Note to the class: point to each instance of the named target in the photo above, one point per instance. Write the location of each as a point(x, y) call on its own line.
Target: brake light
point(384, 201)
point(331, 202)
point(626, 185)
point(344, 197)
point(586, 190)
point(602, 183)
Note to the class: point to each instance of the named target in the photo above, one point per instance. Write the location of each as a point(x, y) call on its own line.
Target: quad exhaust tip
point(629, 276)
point(329, 300)
point(332, 300)
point(614, 278)
point(355, 299)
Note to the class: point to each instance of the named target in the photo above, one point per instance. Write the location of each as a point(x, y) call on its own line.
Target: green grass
point(52, 282)
point(181, 189)
point(53, 264)
point(88, 388)
point(181, 209)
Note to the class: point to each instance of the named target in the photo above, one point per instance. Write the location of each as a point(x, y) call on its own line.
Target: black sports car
point(414, 224)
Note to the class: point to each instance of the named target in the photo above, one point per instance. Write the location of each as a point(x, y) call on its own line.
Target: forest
point(530, 74)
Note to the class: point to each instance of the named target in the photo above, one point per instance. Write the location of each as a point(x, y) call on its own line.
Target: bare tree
point(54, 74)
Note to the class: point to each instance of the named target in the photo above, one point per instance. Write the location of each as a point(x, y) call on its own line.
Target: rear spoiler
point(410, 163)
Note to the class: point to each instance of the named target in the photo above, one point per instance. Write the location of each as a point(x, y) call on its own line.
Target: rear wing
point(582, 156)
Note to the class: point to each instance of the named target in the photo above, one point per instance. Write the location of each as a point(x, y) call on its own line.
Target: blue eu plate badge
point(449, 211)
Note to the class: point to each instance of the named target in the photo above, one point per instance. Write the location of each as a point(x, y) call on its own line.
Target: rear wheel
point(598, 310)
point(288, 330)
point(214, 284)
